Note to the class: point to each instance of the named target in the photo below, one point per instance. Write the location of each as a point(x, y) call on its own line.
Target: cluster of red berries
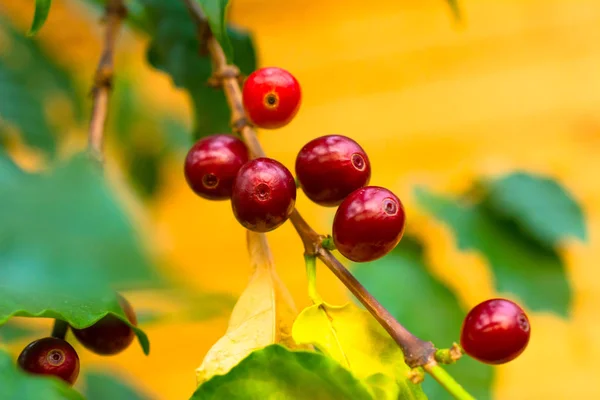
point(332, 171)
point(56, 357)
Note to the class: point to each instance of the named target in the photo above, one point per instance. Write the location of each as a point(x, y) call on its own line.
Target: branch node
point(223, 72)
point(239, 124)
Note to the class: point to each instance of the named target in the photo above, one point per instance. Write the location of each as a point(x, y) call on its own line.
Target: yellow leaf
point(263, 315)
point(353, 338)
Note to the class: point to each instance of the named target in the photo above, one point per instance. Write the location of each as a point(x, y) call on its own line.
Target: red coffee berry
point(368, 224)
point(271, 97)
point(212, 163)
point(495, 331)
point(264, 194)
point(109, 335)
point(331, 167)
point(50, 356)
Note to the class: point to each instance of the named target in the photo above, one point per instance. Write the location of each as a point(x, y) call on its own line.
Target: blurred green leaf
point(401, 282)
point(520, 264)
point(174, 50)
point(12, 331)
point(276, 373)
point(64, 245)
point(539, 206)
point(42, 9)
point(101, 385)
point(18, 385)
point(455, 8)
point(29, 80)
point(215, 13)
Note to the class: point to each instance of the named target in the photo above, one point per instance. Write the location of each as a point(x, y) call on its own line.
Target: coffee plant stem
point(60, 328)
point(443, 378)
point(417, 352)
point(114, 15)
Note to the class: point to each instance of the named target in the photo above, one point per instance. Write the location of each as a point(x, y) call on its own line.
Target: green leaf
point(42, 9)
point(401, 282)
point(102, 385)
point(29, 80)
point(521, 266)
point(11, 331)
point(539, 206)
point(15, 384)
point(174, 50)
point(215, 13)
point(64, 245)
point(353, 338)
point(274, 373)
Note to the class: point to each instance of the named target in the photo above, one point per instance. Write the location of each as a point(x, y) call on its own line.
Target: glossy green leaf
point(353, 338)
point(274, 373)
point(174, 49)
point(521, 265)
point(538, 205)
point(42, 9)
point(18, 385)
point(64, 245)
point(401, 282)
point(215, 12)
point(30, 80)
point(101, 385)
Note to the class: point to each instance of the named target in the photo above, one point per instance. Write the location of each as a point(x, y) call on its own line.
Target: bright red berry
point(212, 163)
point(51, 356)
point(264, 194)
point(495, 331)
point(331, 167)
point(110, 335)
point(368, 224)
point(271, 97)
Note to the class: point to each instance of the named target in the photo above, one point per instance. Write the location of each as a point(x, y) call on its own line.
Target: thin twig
point(115, 13)
point(60, 328)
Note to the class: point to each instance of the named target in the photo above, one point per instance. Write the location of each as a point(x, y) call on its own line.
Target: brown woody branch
point(416, 351)
point(114, 15)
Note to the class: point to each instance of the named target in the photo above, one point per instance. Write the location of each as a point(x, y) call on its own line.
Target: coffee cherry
point(271, 97)
point(368, 224)
point(110, 335)
point(264, 194)
point(495, 331)
point(331, 167)
point(50, 356)
point(212, 163)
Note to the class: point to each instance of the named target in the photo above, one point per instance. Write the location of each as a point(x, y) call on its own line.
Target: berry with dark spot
point(109, 335)
point(212, 163)
point(331, 167)
point(264, 195)
point(271, 97)
point(51, 356)
point(495, 331)
point(368, 224)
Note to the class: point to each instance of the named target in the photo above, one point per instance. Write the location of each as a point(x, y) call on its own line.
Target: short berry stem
point(449, 356)
point(311, 274)
point(60, 328)
point(327, 243)
point(416, 351)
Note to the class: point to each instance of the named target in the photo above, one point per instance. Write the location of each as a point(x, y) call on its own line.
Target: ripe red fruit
point(368, 224)
point(110, 335)
point(495, 331)
point(212, 163)
point(271, 97)
point(51, 356)
point(264, 195)
point(331, 167)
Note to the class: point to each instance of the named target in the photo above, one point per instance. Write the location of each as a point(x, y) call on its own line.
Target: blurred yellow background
point(516, 86)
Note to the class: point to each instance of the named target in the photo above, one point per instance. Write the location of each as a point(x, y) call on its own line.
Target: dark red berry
point(264, 194)
point(331, 167)
point(212, 163)
point(110, 335)
point(368, 224)
point(271, 97)
point(51, 356)
point(495, 331)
